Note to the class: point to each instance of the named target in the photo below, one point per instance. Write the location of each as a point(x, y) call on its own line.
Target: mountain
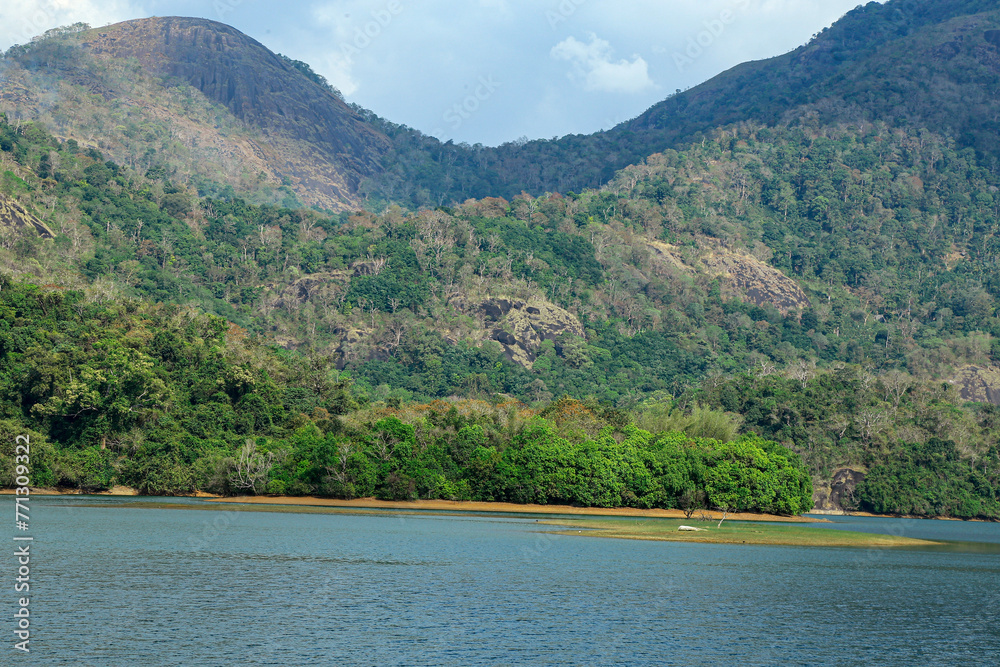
point(828, 289)
point(289, 126)
point(918, 64)
point(909, 63)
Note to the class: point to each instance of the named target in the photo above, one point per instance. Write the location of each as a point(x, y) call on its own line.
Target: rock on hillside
point(759, 283)
point(980, 384)
point(520, 327)
point(13, 215)
point(840, 491)
point(752, 279)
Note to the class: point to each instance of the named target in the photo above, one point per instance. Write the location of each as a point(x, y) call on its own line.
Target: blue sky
point(487, 71)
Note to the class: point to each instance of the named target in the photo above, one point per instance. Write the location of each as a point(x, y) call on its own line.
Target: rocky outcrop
point(838, 496)
point(759, 283)
point(307, 287)
point(980, 384)
point(520, 327)
point(13, 215)
point(755, 281)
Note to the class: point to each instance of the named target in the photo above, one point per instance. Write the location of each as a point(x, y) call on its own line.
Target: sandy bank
point(733, 533)
point(113, 491)
point(498, 508)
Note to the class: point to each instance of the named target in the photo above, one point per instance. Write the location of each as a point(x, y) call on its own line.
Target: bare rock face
point(521, 327)
point(755, 281)
point(760, 283)
point(308, 287)
point(14, 216)
point(980, 384)
point(357, 345)
point(840, 491)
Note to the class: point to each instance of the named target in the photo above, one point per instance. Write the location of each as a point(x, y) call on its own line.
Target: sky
point(487, 71)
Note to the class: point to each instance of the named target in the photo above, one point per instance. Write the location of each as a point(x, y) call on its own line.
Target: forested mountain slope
point(844, 271)
point(821, 276)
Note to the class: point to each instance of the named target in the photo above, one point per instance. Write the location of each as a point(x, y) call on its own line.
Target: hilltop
point(175, 92)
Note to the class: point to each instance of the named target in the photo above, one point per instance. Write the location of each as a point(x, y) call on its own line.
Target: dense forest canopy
point(400, 302)
point(169, 401)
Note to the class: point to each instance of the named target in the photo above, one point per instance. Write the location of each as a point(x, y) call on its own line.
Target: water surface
point(123, 586)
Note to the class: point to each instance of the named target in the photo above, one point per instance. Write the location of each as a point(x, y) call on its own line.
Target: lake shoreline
point(705, 527)
point(813, 516)
point(504, 508)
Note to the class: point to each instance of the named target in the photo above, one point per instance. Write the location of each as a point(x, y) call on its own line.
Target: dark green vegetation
point(400, 300)
point(169, 401)
point(926, 454)
point(813, 283)
point(931, 479)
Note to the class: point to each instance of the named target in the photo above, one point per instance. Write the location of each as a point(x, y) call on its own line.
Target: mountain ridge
point(271, 95)
point(797, 87)
point(907, 62)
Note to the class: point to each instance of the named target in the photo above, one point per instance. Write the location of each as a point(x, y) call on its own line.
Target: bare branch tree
point(251, 470)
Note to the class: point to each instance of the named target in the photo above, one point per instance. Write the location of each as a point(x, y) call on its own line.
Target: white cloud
point(340, 73)
point(595, 70)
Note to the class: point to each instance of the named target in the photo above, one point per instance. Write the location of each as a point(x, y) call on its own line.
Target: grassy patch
point(732, 532)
